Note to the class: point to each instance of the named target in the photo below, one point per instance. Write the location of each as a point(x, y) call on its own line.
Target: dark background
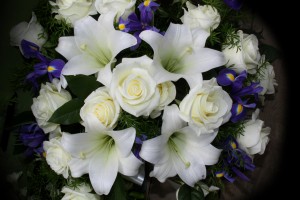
point(282, 20)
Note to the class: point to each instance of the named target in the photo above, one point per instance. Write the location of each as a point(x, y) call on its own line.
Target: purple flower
point(29, 49)
point(236, 159)
point(234, 4)
point(46, 66)
point(138, 145)
point(32, 136)
point(239, 110)
point(223, 173)
point(135, 26)
point(51, 67)
point(239, 93)
point(147, 8)
point(228, 77)
point(252, 89)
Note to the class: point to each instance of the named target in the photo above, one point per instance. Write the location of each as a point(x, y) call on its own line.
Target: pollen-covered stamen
point(147, 3)
point(239, 109)
point(122, 27)
point(233, 145)
point(51, 69)
point(219, 174)
point(230, 77)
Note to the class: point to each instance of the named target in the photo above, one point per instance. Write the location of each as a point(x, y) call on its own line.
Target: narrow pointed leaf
point(82, 85)
point(68, 113)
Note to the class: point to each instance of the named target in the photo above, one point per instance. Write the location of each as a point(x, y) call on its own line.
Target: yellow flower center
point(233, 145)
point(122, 27)
point(219, 175)
point(50, 69)
point(230, 77)
point(239, 109)
point(147, 2)
point(134, 88)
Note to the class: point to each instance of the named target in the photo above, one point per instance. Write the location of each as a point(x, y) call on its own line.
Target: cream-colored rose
point(32, 32)
point(255, 138)
point(207, 106)
point(245, 55)
point(100, 104)
point(167, 93)
point(57, 157)
point(267, 78)
point(121, 7)
point(73, 10)
point(47, 102)
point(134, 87)
point(82, 192)
point(206, 17)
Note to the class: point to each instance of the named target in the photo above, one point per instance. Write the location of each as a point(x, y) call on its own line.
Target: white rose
point(47, 102)
point(32, 32)
point(133, 86)
point(267, 79)
point(245, 55)
point(207, 106)
point(82, 192)
point(205, 17)
point(73, 10)
point(167, 91)
point(255, 138)
point(57, 157)
point(121, 7)
point(102, 105)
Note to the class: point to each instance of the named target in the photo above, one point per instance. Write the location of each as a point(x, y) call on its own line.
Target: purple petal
point(234, 4)
point(55, 67)
point(226, 77)
point(240, 174)
point(238, 112)
point(29, 49)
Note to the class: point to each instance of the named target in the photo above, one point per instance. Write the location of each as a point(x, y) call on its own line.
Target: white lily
point(94, 46)
point(101, 154)
point(180, 53)
point(179, 150)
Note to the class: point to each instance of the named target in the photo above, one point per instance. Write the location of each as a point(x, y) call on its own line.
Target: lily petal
point(67, 47)
point(202, 60)
point(171, 120)
point(103, 178)
point(81, 64)
point(162, 172)
point(124, 140)
point(129, 166)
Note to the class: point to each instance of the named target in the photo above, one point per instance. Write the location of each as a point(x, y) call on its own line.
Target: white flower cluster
point(143, 87)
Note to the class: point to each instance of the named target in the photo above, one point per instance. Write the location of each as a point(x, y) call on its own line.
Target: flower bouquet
point(123, 92)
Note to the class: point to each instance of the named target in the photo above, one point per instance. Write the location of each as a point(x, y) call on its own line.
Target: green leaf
point(82, 85)
point(67, 113)
point(188, 193)
point(117, 191)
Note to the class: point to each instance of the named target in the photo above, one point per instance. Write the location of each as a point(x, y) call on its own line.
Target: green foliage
point(43, 183)
point(188, 193)
point(146, 126)
point(68, 113)
point(82, 85)
point(54, 28)
point(229, 129)
point(167, 13)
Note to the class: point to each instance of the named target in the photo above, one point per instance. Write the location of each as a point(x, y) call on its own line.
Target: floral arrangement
point(125, 90)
